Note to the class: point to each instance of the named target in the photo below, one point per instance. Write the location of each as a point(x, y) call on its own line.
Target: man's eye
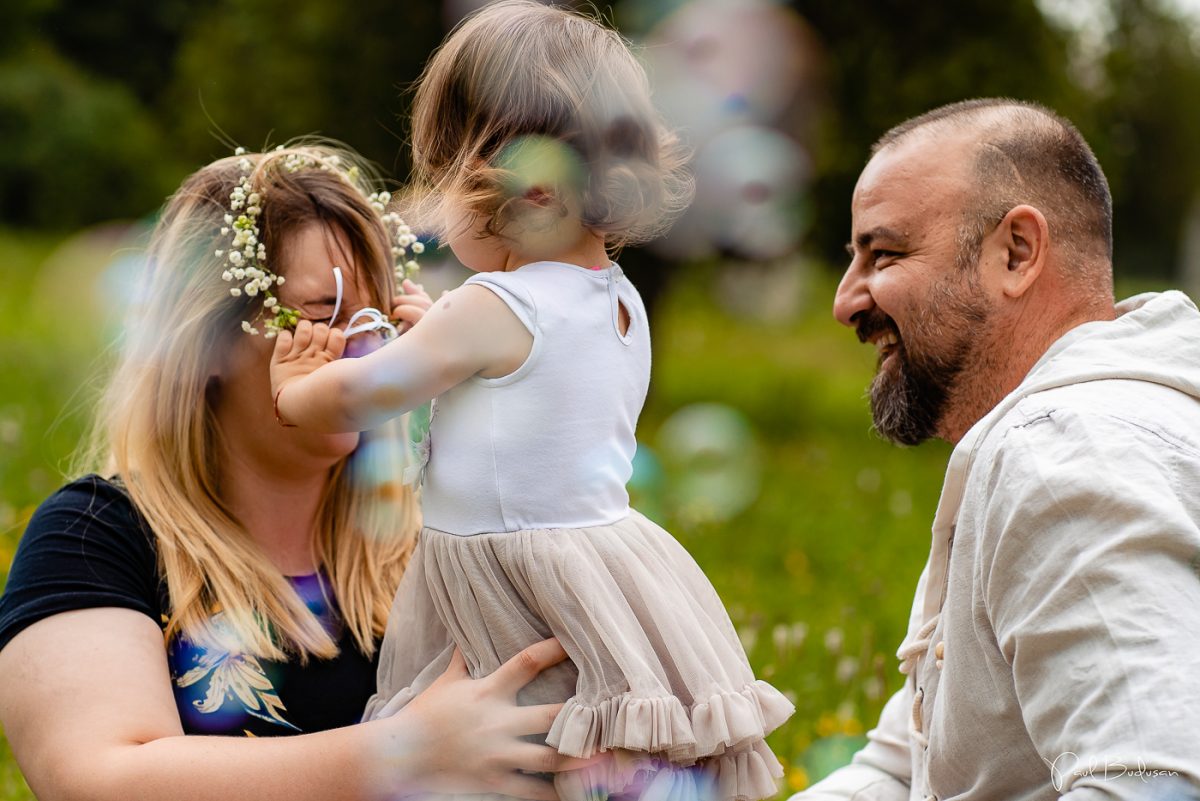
point(883, 255)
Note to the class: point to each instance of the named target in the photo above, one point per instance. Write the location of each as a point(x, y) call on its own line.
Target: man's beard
point(914, 383)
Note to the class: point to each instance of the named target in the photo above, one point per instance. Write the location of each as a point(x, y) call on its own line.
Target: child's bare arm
point(466, 332)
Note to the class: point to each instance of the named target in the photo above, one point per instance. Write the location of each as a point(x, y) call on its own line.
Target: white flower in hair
point(245, 259)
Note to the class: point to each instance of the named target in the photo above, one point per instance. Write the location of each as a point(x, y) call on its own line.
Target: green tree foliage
point(275, 69)
point(105, 106)
point(74, 149)
point(128, 42)
point(900, 59)
point(1150, 134)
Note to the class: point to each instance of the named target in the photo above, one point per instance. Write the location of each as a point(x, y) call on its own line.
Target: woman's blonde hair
point(156, 427)
point(521, 76)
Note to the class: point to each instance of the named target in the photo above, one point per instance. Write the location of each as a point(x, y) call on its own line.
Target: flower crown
point(245, 259)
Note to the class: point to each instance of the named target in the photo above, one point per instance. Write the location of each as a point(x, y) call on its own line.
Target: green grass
point(818, 571)
point(12, 784)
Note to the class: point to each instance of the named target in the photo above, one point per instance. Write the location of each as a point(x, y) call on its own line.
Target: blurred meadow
point(755, 445)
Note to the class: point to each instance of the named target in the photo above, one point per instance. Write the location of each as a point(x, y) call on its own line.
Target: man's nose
point(852, 296)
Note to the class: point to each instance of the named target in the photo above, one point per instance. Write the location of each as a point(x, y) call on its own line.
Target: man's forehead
point(914, 180)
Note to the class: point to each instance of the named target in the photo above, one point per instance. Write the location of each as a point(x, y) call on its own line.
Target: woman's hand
point(461, 735)
point(410, 307)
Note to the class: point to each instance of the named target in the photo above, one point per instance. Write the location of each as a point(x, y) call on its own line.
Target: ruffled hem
point(749, 774)
point(722, 722)
point(657, 680)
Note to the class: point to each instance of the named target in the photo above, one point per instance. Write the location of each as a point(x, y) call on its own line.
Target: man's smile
point(885, 343)
point(879, 330)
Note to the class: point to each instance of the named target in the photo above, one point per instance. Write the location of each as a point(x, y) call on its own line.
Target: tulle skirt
point(657, 677)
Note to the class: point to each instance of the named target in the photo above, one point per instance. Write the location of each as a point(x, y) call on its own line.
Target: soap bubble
point(712, 458)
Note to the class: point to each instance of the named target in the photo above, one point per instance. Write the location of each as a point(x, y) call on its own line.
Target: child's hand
point(296, 355)
point(409, 308)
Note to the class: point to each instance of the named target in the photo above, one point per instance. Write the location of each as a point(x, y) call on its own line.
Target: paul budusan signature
point(1067, 766)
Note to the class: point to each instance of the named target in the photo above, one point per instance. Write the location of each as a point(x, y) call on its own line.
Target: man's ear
point(1024, 239)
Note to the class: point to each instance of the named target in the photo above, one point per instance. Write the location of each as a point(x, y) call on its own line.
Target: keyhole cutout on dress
point(622, 318)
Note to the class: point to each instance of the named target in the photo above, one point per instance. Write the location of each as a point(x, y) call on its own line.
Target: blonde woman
point(222, 574)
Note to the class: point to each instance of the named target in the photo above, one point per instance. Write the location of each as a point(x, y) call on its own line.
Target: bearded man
point(1054, 644)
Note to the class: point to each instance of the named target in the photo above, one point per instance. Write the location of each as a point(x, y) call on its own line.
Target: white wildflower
point(235, 292)
point(418, 248)
point(781, 637)
point(847, 668)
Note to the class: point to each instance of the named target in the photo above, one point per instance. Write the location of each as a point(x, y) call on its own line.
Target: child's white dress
point(528, 534)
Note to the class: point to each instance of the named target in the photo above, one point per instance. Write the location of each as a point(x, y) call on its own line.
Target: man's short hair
point(1025, 153)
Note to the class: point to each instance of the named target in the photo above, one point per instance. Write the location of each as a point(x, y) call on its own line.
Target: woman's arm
point(467, 331)
point(86, 703)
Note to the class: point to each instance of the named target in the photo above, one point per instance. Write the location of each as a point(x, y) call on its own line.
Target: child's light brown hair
point(517, 71)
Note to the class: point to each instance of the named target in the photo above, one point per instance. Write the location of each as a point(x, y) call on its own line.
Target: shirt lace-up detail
point(910, 655)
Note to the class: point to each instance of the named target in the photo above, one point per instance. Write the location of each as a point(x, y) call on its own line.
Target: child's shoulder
point(544, 285)
point(543, 277)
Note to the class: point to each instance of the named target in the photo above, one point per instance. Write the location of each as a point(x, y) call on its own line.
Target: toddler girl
point(536, 150)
